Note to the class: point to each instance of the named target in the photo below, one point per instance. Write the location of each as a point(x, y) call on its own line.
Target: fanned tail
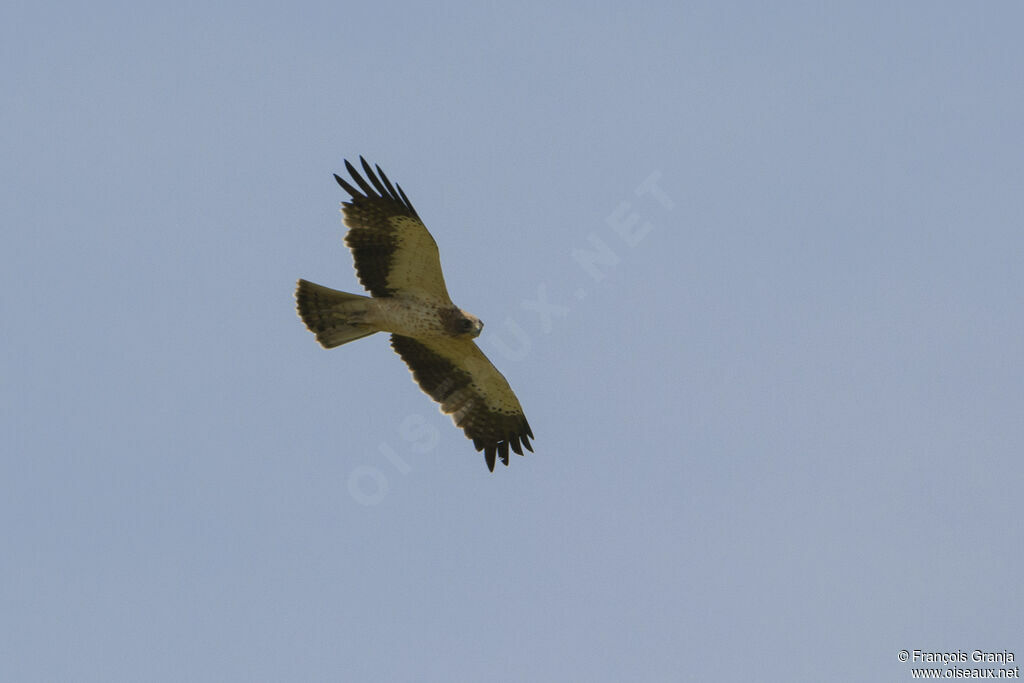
point(335, 317)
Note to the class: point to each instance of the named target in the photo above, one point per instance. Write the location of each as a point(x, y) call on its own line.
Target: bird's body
point(397, 261)
point(411, 316)
point(421, 317)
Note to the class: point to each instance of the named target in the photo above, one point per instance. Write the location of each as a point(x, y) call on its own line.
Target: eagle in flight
point(397, 261)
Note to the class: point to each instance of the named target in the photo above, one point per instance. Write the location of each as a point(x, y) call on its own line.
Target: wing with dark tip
point(393, 251)
point(457, 374)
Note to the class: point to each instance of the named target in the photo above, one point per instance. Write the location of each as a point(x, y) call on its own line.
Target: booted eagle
point(397, 262)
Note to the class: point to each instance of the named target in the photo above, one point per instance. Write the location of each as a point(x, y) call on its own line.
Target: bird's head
point(469, 325)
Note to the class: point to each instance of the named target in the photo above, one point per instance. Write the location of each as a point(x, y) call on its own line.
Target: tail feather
point(335, 317)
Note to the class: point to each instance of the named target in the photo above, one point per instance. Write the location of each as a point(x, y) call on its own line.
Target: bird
point(398, 263)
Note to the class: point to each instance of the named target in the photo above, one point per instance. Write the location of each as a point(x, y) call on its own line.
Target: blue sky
point(754, 271)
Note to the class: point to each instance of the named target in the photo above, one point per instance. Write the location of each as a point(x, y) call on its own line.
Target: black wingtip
point(348, 188)
point(379, 187)
point(350, 168)
point(405, 199)
point(489, 457)
point(387, 183)
point(373, 178)
point(367, 190)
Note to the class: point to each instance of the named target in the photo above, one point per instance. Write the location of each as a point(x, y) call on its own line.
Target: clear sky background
point(777, 390)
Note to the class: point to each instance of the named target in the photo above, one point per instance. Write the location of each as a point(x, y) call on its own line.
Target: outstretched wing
point(457, 374)
point(393, 251)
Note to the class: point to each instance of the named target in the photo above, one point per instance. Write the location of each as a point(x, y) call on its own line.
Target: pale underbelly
point(407, 317)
